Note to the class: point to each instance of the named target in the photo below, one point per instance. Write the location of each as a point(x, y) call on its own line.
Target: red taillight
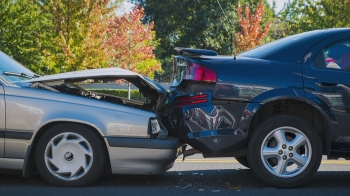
point(199, 73)
point(190, 100)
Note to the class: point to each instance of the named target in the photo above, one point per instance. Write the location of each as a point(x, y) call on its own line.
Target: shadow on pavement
point(185, 180)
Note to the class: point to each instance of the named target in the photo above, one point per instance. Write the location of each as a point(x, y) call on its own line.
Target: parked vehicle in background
point(71, 135)
point(276, 108)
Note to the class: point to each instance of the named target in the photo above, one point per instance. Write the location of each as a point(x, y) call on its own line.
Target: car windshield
point(9, 65)
point(272, 46)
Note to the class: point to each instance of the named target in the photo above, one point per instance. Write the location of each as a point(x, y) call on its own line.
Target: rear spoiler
point(195, 52)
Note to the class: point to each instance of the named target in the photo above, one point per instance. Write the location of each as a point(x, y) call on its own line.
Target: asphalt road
point(195, 176)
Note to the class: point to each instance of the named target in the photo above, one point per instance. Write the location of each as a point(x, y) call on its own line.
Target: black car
point(276, 108)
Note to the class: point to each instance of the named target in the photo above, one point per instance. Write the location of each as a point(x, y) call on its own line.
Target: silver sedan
point(71, 135)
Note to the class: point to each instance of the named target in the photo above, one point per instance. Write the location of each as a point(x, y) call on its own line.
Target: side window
point(334, 57)
point(319, 60)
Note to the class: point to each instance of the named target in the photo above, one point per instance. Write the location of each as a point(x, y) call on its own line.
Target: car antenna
point(222, 10)
point(234, 54)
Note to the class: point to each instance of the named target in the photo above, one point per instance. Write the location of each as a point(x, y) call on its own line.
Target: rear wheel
point(243, 161)
point(70, 155)
point(284, 151)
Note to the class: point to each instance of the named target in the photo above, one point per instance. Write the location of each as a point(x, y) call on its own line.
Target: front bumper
point(142, 156)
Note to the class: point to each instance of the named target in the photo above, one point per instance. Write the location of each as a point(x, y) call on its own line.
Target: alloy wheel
point(286, 152)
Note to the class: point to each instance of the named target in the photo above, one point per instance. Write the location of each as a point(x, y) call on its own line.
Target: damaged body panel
point(276, 108)
point(101, 131)
point(68, 83)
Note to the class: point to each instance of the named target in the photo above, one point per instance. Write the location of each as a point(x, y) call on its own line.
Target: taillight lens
point(154, 125)
point(199, 72)
point(190, 100)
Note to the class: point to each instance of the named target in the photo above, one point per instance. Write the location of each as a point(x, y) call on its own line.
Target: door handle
point(325, 83)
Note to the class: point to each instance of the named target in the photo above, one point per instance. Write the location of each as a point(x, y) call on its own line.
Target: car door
point(326, 70)
point(2, 120)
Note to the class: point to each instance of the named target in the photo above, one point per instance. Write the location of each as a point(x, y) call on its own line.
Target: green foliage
point(24, 33)
point(306, 15)
point(193, 24)
point(189, 23)
point(79, 32)
point(158, 75)
point(53, 36)
point(147, 65)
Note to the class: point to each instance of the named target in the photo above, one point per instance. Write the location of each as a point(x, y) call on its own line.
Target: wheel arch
point(298, 108)
point(29, 162)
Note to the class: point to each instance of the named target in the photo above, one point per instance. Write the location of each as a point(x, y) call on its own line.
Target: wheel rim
point(286, 152)
point(68, 156)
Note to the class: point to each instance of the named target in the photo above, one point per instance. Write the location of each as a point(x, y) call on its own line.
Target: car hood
point(105, 73)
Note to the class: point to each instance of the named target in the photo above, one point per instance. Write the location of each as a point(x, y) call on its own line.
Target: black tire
point(243, 161)
point(95, 143)
point(264, 167)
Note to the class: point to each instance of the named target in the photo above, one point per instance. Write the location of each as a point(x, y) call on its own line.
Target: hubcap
point(286, 152)
point(68, 156)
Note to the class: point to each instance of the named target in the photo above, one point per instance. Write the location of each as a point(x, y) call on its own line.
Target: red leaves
point(250, 34)
point(132, 42)
point(96, 37)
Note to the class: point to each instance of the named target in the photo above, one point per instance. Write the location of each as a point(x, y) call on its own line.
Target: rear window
point(278, 44)
point(336, 56)
point(179, 69)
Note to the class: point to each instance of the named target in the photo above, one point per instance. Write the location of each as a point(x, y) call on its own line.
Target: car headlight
point(155, 127)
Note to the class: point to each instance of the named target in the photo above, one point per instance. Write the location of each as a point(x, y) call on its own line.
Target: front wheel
point(284, 151)
point(70, 155)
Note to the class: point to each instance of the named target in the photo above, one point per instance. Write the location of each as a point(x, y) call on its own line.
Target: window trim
point(322, 51)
